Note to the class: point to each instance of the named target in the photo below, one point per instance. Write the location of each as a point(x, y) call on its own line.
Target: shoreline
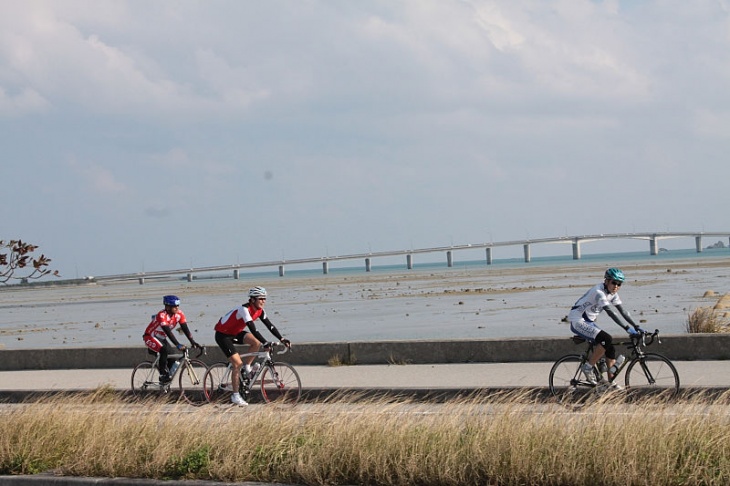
point(447, 303)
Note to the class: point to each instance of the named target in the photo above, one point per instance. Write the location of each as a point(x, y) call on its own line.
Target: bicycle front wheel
point(653, 374)
point(566, 380)
point(191, 382)
point(280, 383)
point(145, 380)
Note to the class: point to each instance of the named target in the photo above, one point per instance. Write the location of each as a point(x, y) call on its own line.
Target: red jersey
point(161, 319)
point(237, 319)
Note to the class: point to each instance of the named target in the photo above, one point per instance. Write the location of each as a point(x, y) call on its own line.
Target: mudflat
point(479, 301)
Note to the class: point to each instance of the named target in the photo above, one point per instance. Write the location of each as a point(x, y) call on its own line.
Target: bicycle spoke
point(191, 382)
point(567, 382)
point(652, 374)
point(280, 383)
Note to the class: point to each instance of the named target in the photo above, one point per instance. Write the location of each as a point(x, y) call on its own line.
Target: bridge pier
point(576, 249)
point(698, 243)
point(449, 259)
point(653, 246)
point(489, 256)
point(190, 277)
point(281, 270)
point(526, 248)
point(409, 261)
point(141, 280)
point(367, 264)
point(325, 268)
point(236, 274)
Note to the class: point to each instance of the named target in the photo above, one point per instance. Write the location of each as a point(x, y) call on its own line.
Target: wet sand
point(470, 302)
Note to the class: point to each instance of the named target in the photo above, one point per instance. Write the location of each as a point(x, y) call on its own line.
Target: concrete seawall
point(676, 347)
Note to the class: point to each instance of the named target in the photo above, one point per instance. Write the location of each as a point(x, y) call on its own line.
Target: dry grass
point(707, 320)
point(505, 440)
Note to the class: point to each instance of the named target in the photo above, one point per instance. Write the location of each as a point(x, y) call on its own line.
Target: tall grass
point(707, 320)
point(507, 440)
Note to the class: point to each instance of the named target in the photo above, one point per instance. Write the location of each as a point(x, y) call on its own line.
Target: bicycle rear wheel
point(280, 383)
point(566, 380)
point(146, 381)
point(191, 382)
point(217, 386)
point(652, 374)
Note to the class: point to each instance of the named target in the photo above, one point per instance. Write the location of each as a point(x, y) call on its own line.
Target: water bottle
point(174, 367)
point(619, 361)
point(254, 368)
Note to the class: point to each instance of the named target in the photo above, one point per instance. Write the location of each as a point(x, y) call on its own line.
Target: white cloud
point(372, 121)
point(98, 179)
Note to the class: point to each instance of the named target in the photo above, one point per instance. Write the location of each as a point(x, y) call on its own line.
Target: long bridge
point(575, 241)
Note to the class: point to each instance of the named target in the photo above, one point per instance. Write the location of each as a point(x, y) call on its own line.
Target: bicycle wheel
point(191, 382)
point(217, 383)
point(280, 383)
point(566, 380)
point(145, 380)
point(653, 374)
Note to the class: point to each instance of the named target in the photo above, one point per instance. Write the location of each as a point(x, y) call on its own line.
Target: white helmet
point(257, 292)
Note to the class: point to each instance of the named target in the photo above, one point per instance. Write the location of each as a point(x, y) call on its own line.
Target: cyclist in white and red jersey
point(238, 327)
point(159, 330)
point(583, 314)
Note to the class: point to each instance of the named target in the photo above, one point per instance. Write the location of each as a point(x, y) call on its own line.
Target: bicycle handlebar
point(201, 351)
point(275, 345)
point(643, 335)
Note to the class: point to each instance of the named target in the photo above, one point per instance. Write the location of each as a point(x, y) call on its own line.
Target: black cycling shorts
point(227, 342)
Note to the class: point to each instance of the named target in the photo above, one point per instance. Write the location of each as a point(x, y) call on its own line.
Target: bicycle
point(190, 372)
point(645, 372)
point(279, 382)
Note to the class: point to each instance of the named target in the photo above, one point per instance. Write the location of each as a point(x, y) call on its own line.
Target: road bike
point(279, 382)
point(189, 372)
point(648, 373)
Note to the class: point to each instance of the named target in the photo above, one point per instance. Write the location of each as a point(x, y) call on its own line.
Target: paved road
point(693, 374)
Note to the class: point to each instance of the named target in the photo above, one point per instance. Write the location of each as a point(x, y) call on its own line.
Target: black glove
point(195, 345)
point(286, 342)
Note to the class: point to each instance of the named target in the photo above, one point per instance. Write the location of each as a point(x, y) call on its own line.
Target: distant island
point(719, 244)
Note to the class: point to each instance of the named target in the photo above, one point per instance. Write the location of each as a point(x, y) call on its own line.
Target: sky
point(154, 135)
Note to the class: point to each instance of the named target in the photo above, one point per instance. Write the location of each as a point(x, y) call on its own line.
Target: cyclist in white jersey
point(583, 315)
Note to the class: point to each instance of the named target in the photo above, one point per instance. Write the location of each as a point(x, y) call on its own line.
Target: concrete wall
point(676, 347)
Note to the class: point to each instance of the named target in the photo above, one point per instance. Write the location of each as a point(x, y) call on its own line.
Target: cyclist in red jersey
point(160, 330)
point(237, 327)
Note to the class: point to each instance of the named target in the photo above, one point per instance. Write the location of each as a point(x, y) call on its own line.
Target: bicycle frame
point(145, 377)
point(641, 370)
point(279, 381)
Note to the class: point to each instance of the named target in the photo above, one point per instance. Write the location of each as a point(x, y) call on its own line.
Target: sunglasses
point(261, 298)
point(617, 284)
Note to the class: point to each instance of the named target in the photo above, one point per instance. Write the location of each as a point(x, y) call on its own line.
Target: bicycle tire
point(217, 386)
point(566, 379)
point(145, 380)
point(191, 382)
point(653, 374)
point(280, 384)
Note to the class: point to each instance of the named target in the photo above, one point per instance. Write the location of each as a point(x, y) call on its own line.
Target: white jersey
point(592, 303)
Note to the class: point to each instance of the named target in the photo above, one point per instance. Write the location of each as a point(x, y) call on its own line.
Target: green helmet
point(615, 274)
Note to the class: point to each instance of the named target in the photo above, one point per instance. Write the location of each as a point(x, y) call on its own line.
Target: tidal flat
point(466, 302)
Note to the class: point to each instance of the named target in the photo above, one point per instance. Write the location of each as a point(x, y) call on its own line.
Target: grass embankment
point(503, 440)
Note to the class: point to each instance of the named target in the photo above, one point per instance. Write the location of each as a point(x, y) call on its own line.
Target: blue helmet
point(172, 300)
point(615, 274)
